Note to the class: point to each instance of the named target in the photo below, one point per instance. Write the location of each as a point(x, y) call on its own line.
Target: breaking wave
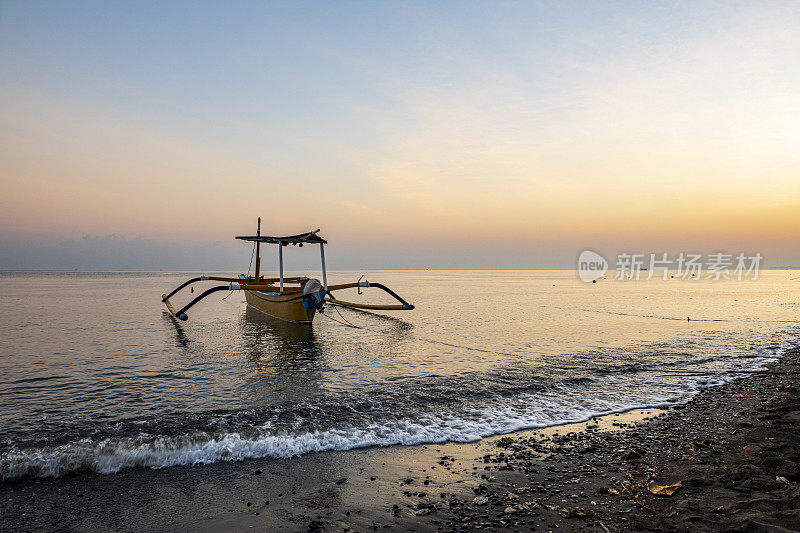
point(564, 403)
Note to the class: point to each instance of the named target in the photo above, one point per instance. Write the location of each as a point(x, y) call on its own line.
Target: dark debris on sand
point(729, 460)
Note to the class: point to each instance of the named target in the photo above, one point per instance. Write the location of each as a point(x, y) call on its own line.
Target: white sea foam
point(561, 405)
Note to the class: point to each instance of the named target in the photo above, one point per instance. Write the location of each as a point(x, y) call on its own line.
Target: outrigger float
point(296, 299)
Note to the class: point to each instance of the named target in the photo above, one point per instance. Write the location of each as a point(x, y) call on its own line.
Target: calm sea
point(96, 376)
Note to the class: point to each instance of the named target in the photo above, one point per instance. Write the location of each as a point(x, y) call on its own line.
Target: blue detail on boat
point(255, 293)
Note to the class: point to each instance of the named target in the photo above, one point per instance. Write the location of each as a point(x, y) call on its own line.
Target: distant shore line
point(179, 271)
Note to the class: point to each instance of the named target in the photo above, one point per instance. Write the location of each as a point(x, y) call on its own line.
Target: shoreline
point(735, 449)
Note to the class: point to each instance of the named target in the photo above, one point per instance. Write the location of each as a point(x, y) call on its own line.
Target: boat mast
point(258, 251)
point(280, 261)
point(324, 273)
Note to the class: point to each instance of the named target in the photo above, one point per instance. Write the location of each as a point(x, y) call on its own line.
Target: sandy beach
point(729, 458)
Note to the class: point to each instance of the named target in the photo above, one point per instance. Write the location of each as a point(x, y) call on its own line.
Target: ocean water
point(96, 376)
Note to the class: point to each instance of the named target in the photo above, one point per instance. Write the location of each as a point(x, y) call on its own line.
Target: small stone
point(480, 500)
point(509, 510)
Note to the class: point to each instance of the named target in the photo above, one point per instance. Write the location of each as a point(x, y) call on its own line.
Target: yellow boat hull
point(284, 306)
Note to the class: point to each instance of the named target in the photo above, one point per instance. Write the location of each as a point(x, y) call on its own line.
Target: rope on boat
point(252, 254)
point(346, 323)
point(343, 318)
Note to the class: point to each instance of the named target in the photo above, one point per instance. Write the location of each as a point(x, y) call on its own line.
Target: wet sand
point(735, 450)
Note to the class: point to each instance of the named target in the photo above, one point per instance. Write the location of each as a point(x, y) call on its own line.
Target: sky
point(138, 135)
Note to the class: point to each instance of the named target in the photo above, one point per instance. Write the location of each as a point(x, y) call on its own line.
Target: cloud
point(112, 252)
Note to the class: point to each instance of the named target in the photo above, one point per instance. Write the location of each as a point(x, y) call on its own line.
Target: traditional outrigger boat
point(297, 298)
